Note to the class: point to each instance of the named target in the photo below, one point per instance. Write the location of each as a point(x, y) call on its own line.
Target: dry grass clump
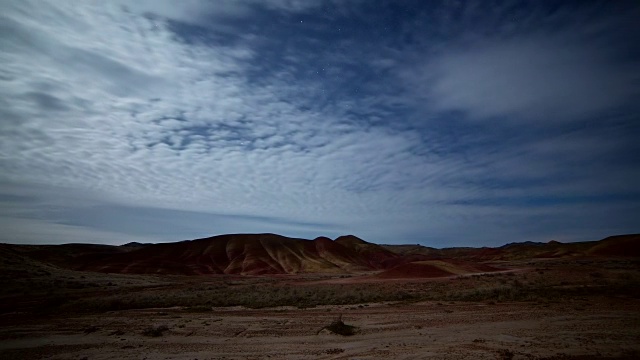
point(155, 331)
point(506, 354)
point(334, 351)
point(340, 328)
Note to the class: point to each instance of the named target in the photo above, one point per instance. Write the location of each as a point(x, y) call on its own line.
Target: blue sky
point(441, 123)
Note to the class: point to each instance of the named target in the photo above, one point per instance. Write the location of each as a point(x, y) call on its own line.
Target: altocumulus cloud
point(159, 120)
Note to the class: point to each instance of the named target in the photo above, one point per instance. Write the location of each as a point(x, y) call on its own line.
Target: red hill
point(245, 254)
point(434, 269)
point(376, 256)
point(256, 254)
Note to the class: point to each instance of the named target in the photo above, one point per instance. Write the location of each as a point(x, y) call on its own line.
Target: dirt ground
point(543, 309)
point(591, 328)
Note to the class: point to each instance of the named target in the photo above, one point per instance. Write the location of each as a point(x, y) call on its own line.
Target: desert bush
point(155, 331)
point(53, 303)
point(340, 328)
point(506, 354)
point(91, 329)
point(334, 351)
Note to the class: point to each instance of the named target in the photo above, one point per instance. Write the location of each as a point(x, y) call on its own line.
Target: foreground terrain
point(579, 329)
point(501, 303)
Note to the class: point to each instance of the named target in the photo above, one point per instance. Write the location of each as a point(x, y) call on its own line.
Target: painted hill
point(257, 254)
point(622, 245)
point(434, 269)
point(375, 256)
point(249, 254)
point(244, 254)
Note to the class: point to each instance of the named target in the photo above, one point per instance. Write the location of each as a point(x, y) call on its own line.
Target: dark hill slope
point(245, 254)
point(376, 256)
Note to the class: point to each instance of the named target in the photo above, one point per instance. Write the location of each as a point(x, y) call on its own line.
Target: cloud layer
point(283, 116)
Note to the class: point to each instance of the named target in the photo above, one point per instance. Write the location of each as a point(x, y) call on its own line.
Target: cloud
point(34, 231)
point(149, 120)
point(538, 78)
point(207, 12)
point(568, 66)
point(121, 122)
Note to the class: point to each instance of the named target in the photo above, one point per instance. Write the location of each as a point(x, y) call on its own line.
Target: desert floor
point(564, 309)
point(588, 329)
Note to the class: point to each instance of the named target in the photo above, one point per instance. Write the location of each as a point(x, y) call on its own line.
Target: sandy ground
point(587, 328)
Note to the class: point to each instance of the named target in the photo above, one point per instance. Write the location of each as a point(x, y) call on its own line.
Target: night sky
point(453, 123)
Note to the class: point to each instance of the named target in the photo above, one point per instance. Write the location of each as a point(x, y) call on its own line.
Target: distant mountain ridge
point(260, 254)
point(615, 246)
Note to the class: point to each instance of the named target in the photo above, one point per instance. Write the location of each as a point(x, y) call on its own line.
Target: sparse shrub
point(53, 303)
point(506, 354)
point(340, 328)
point(625, 276)
point(91, 329)
point(155, 331)
point(334, 351)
